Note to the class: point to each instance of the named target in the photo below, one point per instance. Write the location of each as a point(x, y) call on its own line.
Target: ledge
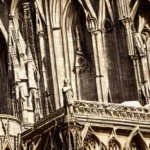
point(45, 124)
point(111, 111)
point(98, 114)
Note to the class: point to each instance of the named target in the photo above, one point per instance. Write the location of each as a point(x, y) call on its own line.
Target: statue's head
point(66, 81)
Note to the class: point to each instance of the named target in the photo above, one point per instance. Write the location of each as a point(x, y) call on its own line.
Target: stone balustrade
point(111, 110)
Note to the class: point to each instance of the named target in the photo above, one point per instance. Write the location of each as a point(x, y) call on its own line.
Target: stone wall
point(90, 43)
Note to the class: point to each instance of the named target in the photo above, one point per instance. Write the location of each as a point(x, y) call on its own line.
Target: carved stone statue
point(145, 91)
point(138, 42)
point(36, 104)
point(37, 117)
point(143, 38)
point(68, 97)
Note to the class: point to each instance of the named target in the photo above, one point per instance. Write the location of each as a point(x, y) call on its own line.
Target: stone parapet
point(111, 111)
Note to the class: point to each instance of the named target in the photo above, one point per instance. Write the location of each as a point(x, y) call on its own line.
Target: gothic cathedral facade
point(74, 74)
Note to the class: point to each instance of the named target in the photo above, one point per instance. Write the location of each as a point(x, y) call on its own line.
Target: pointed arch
point(137, 139)
point(68, 11)
point(78, 47)
point(90, 15)
point(113, 142)
point(91, 18)
point(55, 13)
point(7, 146)
point(90, 141)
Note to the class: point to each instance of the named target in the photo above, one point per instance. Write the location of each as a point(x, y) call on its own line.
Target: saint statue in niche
point(138, 42)
point(141, 41)
point(68, 97)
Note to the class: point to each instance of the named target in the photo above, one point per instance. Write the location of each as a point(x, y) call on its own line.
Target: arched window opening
point(137, 144)
point(7, 148)
point(136, 141)
point(114, 145)
point(84, 59)
point(91, 144)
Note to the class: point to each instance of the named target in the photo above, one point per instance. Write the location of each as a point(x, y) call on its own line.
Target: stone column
point(52, 58)
point(131, 51)
point(98, 75)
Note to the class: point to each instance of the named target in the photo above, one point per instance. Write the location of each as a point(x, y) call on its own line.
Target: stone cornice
point(98, 115)
point(112, 111)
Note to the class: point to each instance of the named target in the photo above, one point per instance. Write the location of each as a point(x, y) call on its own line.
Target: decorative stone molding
point(129, 143)
point(112, 111)
point(83, 135)
point(91, 18)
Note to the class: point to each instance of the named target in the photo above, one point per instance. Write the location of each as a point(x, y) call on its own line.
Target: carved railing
point(112, 111)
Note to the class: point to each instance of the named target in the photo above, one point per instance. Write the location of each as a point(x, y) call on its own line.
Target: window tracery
point(84, 59)
point(91, 144)
point(113, 145)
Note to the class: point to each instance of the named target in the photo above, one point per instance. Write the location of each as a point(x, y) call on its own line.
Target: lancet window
point(113, 145)
point(136, 145)
point(84, 60)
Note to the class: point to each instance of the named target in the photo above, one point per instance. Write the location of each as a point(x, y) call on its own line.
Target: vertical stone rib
point(52, 59)
point(98, 78)
point(65, 41)
point(127, 21)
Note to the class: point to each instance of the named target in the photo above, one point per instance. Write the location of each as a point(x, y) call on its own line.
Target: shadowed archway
point(5, 104)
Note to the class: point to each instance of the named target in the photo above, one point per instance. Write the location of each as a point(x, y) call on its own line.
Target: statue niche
point(83, 66)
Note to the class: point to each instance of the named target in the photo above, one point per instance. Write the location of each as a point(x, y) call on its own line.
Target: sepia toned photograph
point(74, 74)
